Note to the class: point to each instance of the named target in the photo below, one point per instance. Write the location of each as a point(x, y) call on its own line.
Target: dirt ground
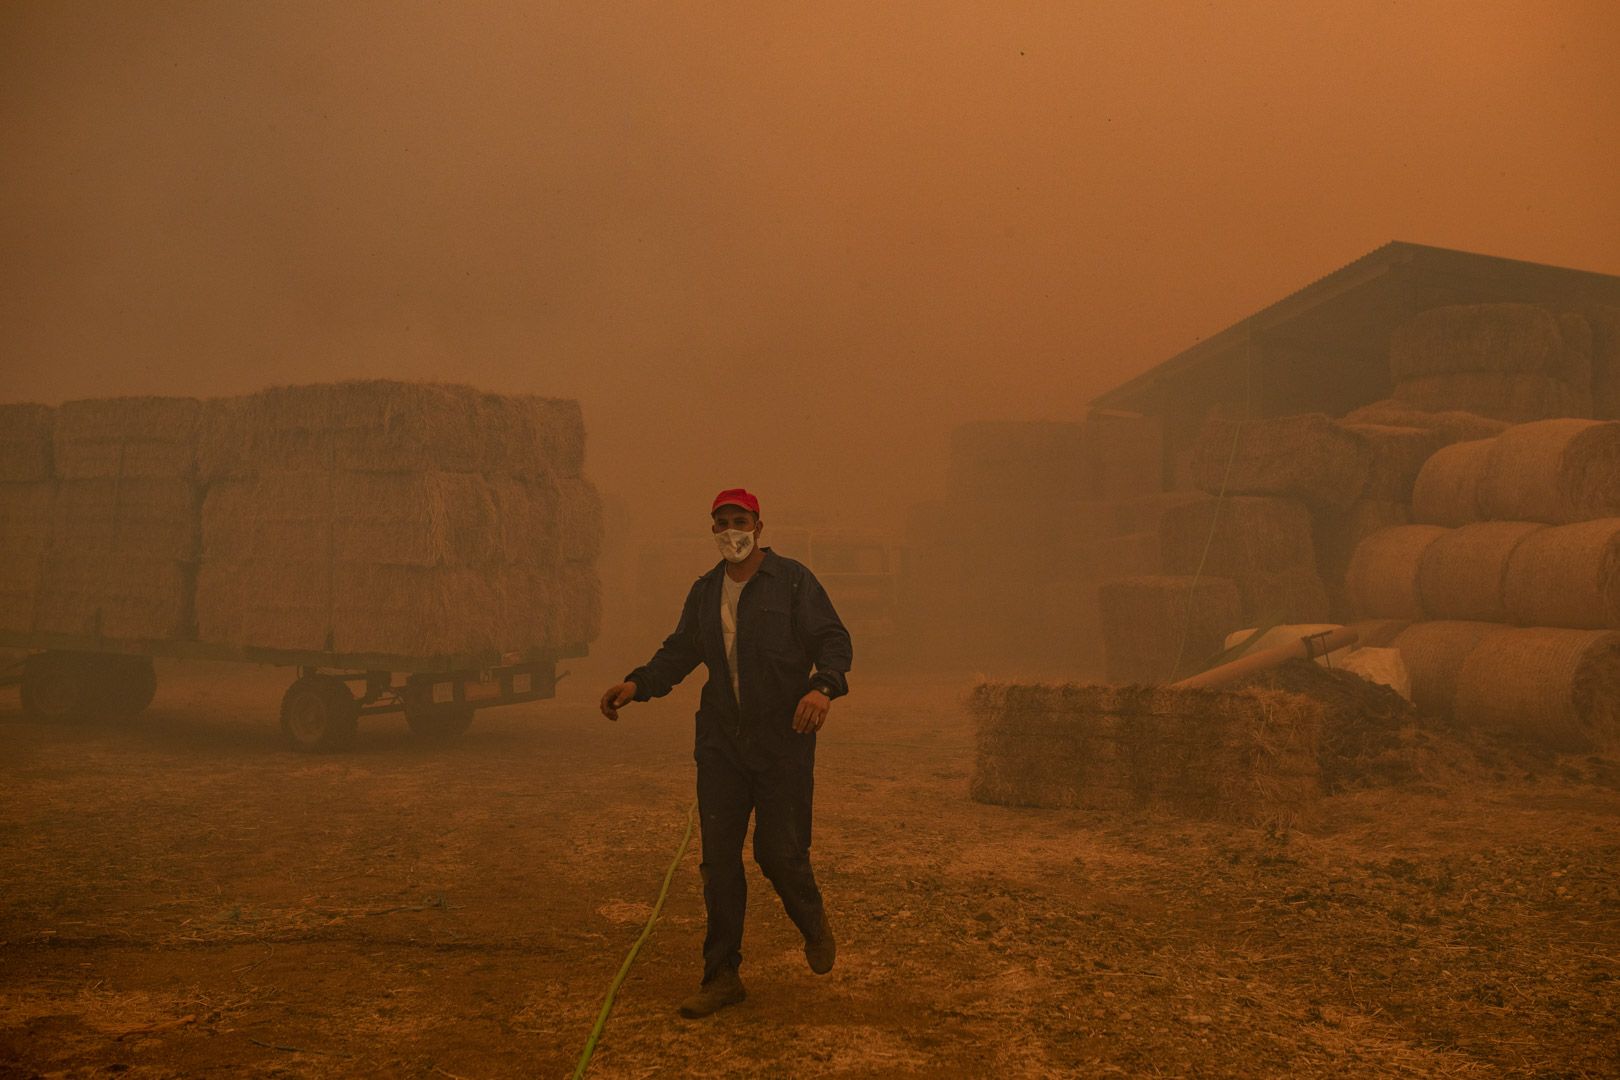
point(184, 897)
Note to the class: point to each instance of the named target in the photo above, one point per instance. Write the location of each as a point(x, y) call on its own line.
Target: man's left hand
point(811, 713)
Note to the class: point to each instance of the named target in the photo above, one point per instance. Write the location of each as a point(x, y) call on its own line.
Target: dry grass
point(1557, 471)
point(1461, 574)
point(1152, 622)
point(1382, 579)
point(1447, 488)
point(1567, 576)
point(25, 443)
point(1554, 688)
point(1434, 653)
point(1307, 457)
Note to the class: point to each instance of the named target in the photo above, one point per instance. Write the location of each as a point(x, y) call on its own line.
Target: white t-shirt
point(730, 593)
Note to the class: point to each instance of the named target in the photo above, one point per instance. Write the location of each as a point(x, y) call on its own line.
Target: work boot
point(724, 989)
point(822, 949)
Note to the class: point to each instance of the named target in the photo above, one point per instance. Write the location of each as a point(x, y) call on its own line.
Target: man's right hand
point(616, 698)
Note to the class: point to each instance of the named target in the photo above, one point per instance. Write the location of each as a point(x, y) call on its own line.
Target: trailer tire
point(319, 714)
point(127, 685)
point(439, 722)
point(58, 686)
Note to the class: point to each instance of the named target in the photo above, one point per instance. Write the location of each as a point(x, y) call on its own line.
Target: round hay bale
point(1242, 535)
point(1447, 488)
point(1434, 653)
point(1396, 455)
point(1158, 627)
point(1551, 687)
point(1566, 576)
point(1513, 339)
point(1557, 471)
point(1306, 457)
point(1462, 572)
point(1448, 425)
point(1515, 398)
point(1382, 581)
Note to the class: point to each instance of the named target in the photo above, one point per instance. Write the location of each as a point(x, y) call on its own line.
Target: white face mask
point(734, 544)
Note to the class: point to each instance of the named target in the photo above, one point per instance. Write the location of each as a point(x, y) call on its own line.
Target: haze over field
point(778, 245)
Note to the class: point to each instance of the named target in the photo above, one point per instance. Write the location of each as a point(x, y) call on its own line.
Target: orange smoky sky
point(784, 244)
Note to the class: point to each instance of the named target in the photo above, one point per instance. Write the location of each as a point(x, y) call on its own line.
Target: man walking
point(760, 622)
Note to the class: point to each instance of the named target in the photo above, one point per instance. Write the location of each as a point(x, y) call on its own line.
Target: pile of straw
point(1434, 653)
point(1018, 460)
point(1514, 398)
point(25, 538)
point(1462, 574)
point(1395, 456)
point(1449, 425)
point(25, 443)
point(1245, 755)
point(138, 438)
point(1447, 488)
point(386, 426)
point(1566, 576)
point(1503, 339)
point(1557, 471)
point(1556, 688)
point(1382, 580)
point(1157, 628)
point(1306, 457)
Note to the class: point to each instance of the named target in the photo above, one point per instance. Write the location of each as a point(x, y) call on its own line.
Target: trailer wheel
point(319, 715)
point(58, 686)
point(127, 685)
point(439, 721)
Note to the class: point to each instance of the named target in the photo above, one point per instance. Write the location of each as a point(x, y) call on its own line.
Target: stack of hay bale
point(27, 495)
point(1510, 577)
point(1005, 569)
point(373, 518)
point(396, 518)
point(1243, 551)
point(1248, 755)
point(1513, 362)
point(123, 538)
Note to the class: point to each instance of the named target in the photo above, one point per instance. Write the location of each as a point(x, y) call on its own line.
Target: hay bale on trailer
point(388, 426)
point(1307, 457)
point(1382, 579)
point(26, 510)
point(1447, 488)
point(1157, 627)
point(1566, 576)
point(1447, 425)
point(1556, 471)
point(1552, 687)
point(1395, 457)
point(135, 437)
point(1461, 575)
point(1244, 755)
point(25, 443)
point(1434, 653)
point(1503, 338)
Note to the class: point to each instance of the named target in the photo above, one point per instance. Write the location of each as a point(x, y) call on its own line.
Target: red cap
point(736, 497)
